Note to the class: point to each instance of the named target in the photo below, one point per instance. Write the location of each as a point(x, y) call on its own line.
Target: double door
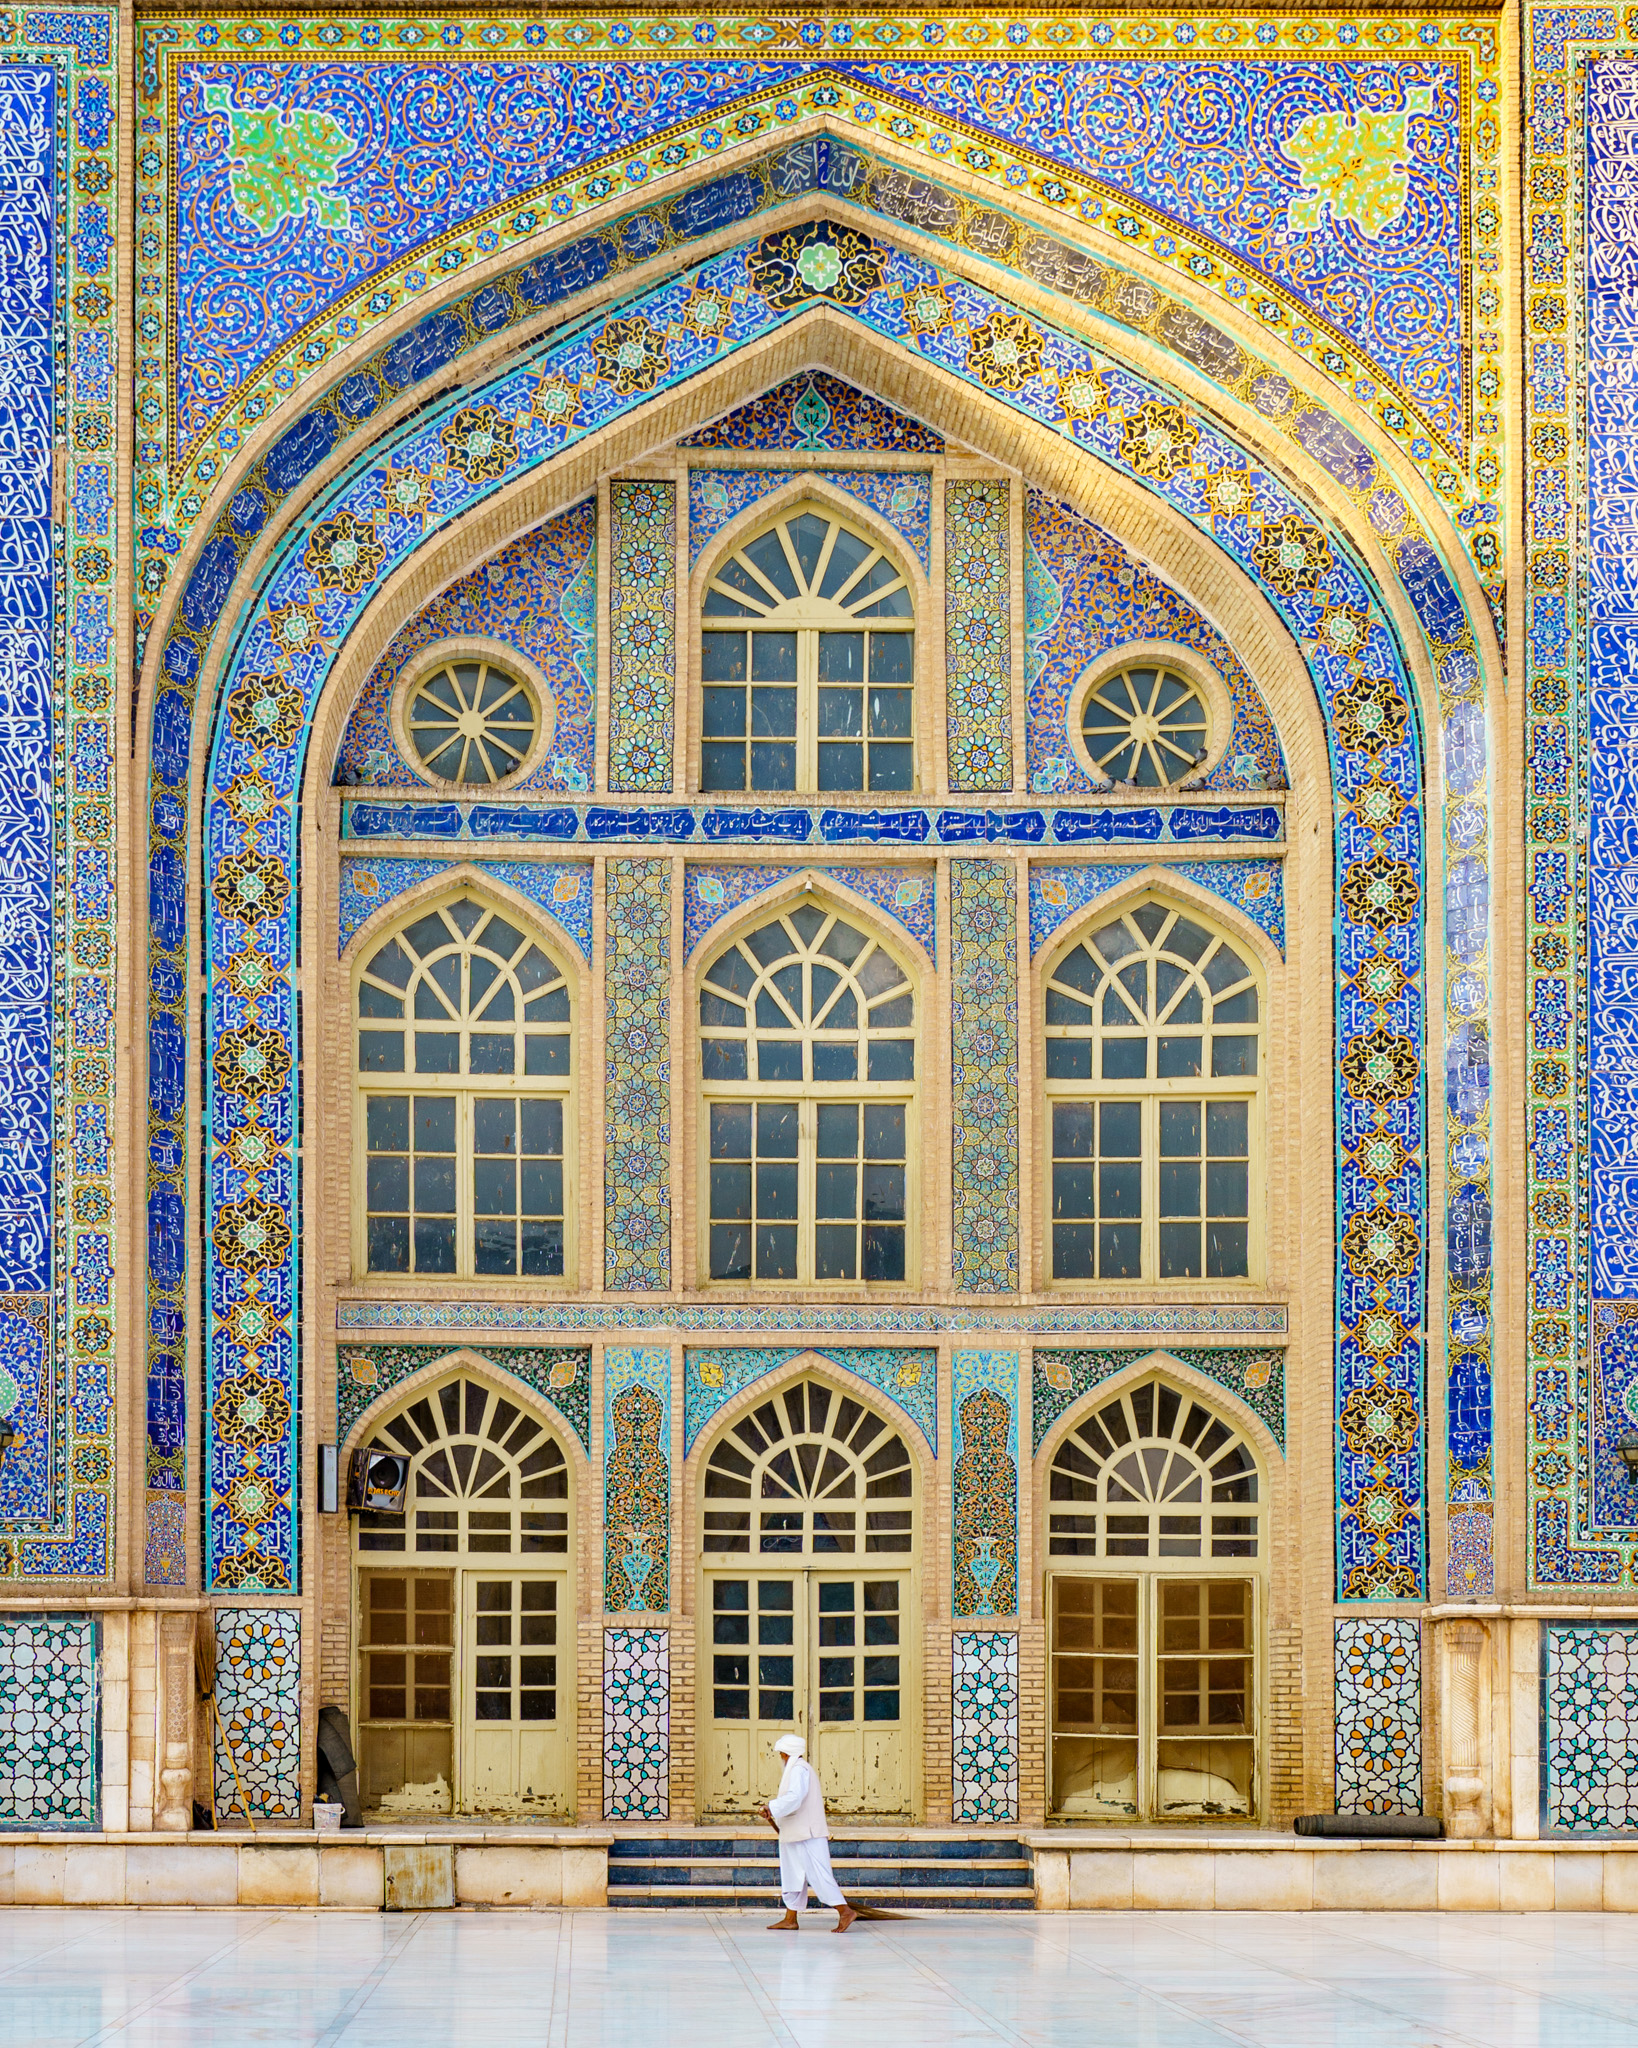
point(465, 1693)
point(822, 1654)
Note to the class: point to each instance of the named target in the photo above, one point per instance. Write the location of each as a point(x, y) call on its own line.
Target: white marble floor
point(69, 1979)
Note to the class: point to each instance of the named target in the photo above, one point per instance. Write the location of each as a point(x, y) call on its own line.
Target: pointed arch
point(1350, 619)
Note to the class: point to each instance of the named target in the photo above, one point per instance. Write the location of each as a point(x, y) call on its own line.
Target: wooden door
point(406, 1729)
point(517, 1705)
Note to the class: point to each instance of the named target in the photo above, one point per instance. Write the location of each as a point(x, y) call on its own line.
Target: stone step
point(904, 1873)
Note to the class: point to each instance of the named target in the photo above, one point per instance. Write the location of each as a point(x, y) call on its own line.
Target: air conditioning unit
point(377, 1482)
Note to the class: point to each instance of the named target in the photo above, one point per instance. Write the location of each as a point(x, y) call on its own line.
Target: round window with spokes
point(807, 662)
point(472, 722)
point(1147, 725)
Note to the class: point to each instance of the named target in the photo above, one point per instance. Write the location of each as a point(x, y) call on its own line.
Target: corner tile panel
point(1589, 1727)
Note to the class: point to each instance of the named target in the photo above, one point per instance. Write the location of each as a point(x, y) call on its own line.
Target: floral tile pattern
point(984, 1076)
point(50, 1721)
point(637, 1077)
point(1379, 1715)
point(364, 1372)
point(562, 889)
point(1254, 1375)
point(983, 1727)
point(636, 1480)
point(642, 632)
point(984, 1481)
point(636, 1724)
point(977, 631)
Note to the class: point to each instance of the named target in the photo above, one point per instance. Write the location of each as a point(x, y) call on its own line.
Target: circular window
point(1145, 726)
point(471, 721)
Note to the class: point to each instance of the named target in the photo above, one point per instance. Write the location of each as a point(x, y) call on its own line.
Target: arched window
point(1146, 726)
point(1154, 1097)
point(807, 662)
point(808, 1064)
point(1154, 1542)
point(464, 1065)
point(808, 1473)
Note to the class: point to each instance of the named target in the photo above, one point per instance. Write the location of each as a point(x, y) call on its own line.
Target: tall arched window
point(808, 1065)
point(1154, 1100)
point(1154, 1561)
point(464, 1067)
point(807, 662)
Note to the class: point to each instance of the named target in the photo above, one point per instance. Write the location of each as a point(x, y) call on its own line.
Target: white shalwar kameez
point(798, 1808)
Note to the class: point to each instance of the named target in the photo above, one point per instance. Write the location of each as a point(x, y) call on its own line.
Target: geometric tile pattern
point(642, 632)
point(636, 1480)
point(1256, 1377)
point(494, 431)
point(539, 595)
point(1378, 1715)
point(1589, 1727)
point(366, 1372)
point(977, 631)
point(636, 1724)
point(50, 1721)
point(984, 1481)
point(1084, 593)
point(711, 1379)
point(984, 1727)
point(258, 1697)
point(1581, 806)
point(984, 1075)
point(637, 1076)
point(63, 538)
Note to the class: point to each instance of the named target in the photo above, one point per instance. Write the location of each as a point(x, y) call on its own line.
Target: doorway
point(808, 1598)
point(465, 1685)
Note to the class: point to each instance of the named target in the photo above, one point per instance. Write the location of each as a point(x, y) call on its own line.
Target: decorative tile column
point(637, 1077)
point(977, 632)
point(1379, 1715)
point(984, 1492)
point(642, 632)
point(983, 1076)
point(636, 1724)
point(636, 1480)
point(983, 1726)
point(258, 1699)
point(50, 1721)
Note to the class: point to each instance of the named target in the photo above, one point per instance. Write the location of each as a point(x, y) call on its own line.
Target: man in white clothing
point(797, 1810)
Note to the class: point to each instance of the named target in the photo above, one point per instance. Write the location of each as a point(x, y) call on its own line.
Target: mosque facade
point(807, 905)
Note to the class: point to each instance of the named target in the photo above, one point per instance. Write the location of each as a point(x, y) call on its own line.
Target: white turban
point(790, 1745)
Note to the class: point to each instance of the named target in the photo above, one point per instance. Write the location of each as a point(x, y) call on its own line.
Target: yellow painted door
point(818, 1654)
point(405, 1723)
point(859, 1724)
point(517, 1697)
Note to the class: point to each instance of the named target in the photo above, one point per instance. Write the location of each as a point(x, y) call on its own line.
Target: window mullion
point(807, 1139)
point(465, 1172)
point(807, 709)
point(1151, 1187)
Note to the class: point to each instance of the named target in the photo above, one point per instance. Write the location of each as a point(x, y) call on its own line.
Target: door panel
point(516, 1708)
point(406, 1728)
point(818, 1655)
